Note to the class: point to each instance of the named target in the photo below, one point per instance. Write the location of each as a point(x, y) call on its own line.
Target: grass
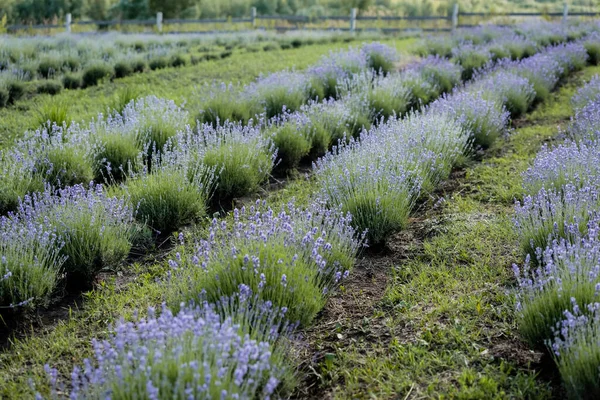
point(446, 325)
point(174, 83)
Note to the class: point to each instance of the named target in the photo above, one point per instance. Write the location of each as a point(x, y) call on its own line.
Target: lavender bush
point(380, 57)
point(97, 230)
point(555, 214)
point(586, 94)
point(242, 157)
point(569, 163)
point(576, 350)
point(585, 126)
point(30, 263)
point(291, 258)
point(196, 353)
point(486, 120)
point(511, 90)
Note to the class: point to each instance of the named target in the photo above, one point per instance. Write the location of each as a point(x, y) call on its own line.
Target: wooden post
point(159, 21)
point(455, 17)
point(565, 13)
point(253, 16)
point(353, 19)
point(68, 23)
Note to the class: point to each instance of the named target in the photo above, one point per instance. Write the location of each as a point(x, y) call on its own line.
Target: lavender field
point(343, 217)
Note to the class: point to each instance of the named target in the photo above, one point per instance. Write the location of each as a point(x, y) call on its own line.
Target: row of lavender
point(170, 171)
point(222, 332)
point(559, 226)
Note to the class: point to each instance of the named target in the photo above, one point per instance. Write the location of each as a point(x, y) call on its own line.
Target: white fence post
point(253, 16)
point(565, 12)
point(68, 23)
point(353, 19)
point(159, 21)
point(455, 17)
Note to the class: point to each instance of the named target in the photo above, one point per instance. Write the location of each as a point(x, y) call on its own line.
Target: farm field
point(365, 217)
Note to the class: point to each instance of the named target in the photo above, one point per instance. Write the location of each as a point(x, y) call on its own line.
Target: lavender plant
point(97, 230)
point(242, 157)
point(30, 263)
point(569, 163)
point(585, 126)
point(586, 94)
point(280, 92)
point(515, 92)
point(576, 350)
point(486, 120)
point(439, 72)
point(380, 57)
point(291, 258)
point(555, 214)
point(195, 353)
point(471, 58)
point(564, 271)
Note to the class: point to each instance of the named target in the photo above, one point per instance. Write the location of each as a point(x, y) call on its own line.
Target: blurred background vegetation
point(52, 11)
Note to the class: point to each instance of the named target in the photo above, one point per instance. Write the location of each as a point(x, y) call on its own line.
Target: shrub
point(177, 60)
point(242, 157)
point(576, 352)
point(96, 230)
point(271, 47)
point(566, 272)
point(291, 137)
point(470, 58)
point(72, 81)
point(158, 62)
point(30, 263)
point(50, 87)
point(166, 199)
point(586, 94)
point(439, 72)
point(4, 95)
point(486, 120)
point(225, 54)
point(123, 68)
point(224, 103)
point(511, 90)
point(280, 92)
point(48, 67)
point(116, 156)
point(52, 112)
point(593, 50)
point(380, 58)
point(138, 65)
point(571, 163)
point(95, 73)
point(292, 258)
point(66, 166)
point(555, 214)
point(71, 63)
point(200, 352)
point(123, 97)
point(17, 178)
point(16, 90)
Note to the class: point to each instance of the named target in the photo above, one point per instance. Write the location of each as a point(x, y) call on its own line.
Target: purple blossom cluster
point(486, 120)
point(515, 92)
point(94, 229)
point(576, 349)
point(293, 258)
point(587, 93)
point(198, 353)
point(559, 225)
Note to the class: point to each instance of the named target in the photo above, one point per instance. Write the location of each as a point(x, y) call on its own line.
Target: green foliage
point(177, 60)
point(48, 67)
point(123, 97)
point(293, 142)
point(52, 112)
point(72, 80)
point(241, 168)
point(16, 90)
point(166, 199)
point(67, 166)
point(4, 95)
point(123, 68)
point(158, 62)
point(50, 87)
point(94, 73)
point(116, 156)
